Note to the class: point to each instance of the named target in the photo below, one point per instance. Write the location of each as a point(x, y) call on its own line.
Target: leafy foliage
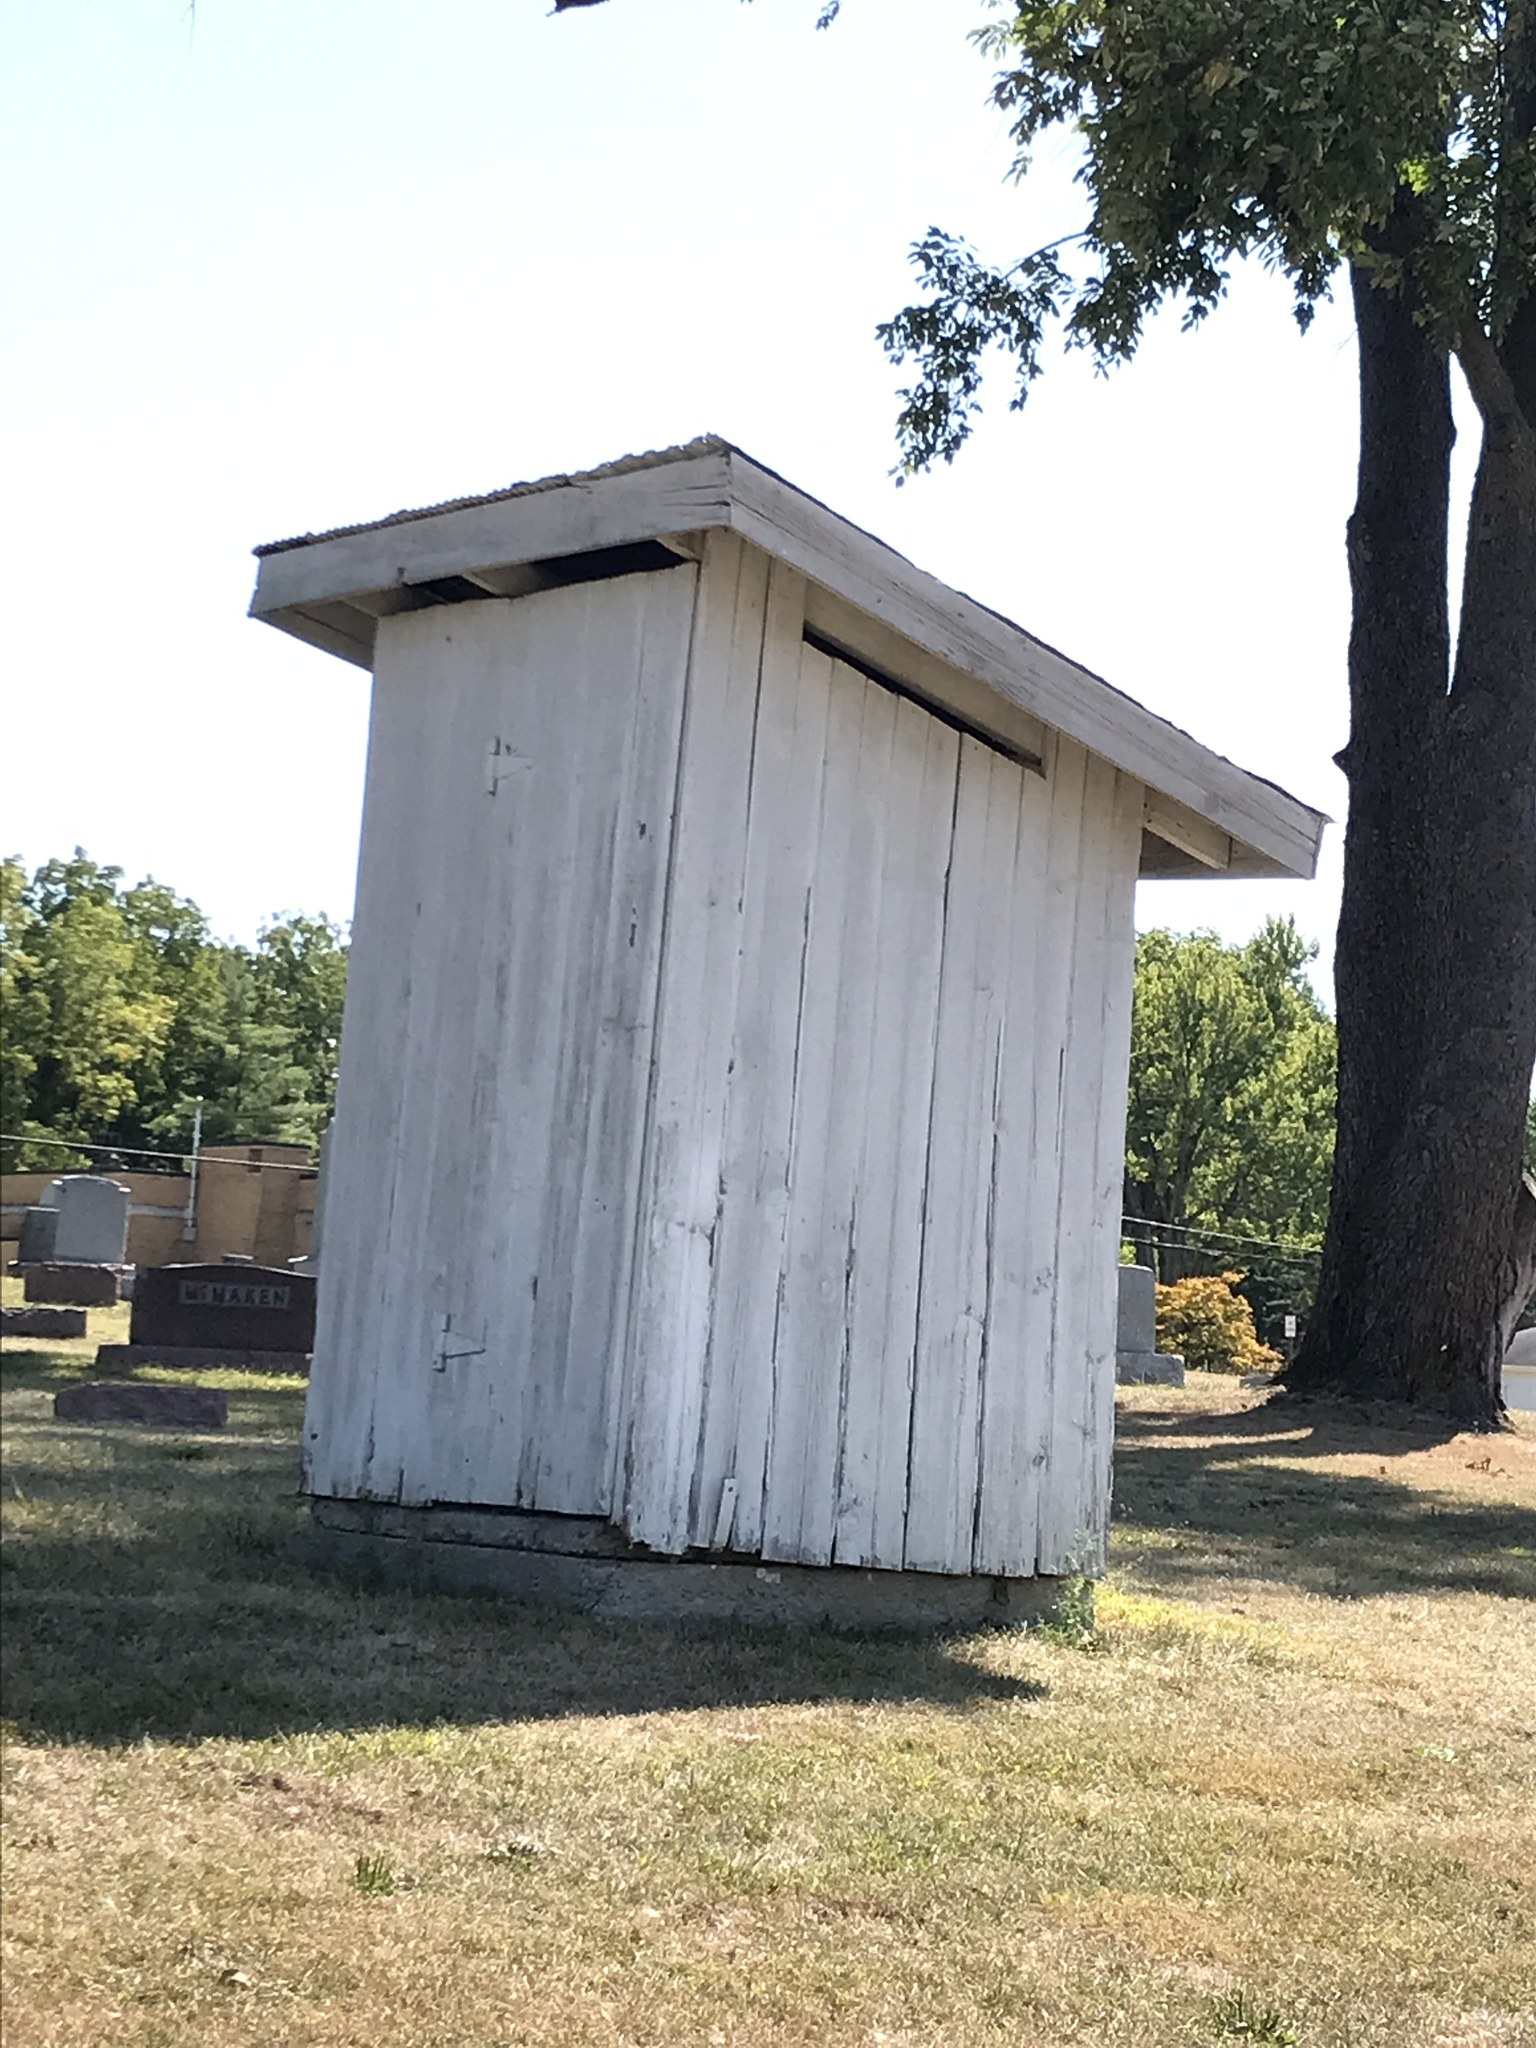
point(1230, 1118)
point(1296, 131)
point(122, 1013)
point(1210, 1326)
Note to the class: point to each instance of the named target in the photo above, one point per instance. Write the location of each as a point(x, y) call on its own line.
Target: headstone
point(1137, 1358)
point(42, 1322)
point(81, 1286)
point(257, 1316)
point(93, 1220)
point(143, 1401)
point(39, 1235)
point(1520, 1371)
point(309, 1262)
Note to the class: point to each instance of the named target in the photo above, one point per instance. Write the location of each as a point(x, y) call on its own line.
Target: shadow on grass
point(149, 1592)
point(1230, 1494)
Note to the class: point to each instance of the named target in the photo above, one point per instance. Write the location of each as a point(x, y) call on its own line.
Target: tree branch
point(1492, 387)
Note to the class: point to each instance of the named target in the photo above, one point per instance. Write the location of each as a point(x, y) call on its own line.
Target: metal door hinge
point(445, 1355)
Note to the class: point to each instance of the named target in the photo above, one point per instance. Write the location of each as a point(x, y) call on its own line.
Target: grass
point(1281, 1795)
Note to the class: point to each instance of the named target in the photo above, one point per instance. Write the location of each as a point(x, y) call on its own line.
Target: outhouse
point(724, 1189)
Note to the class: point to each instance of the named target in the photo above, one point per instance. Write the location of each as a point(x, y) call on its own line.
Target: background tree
point(23, 1006)
point(98, 1014)
point(122, 1013)
point(1395, 138)
point(300, 971)
point(1229, 1126)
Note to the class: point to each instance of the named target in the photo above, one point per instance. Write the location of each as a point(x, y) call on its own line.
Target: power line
point(140, 1152)
point(1146, 1226)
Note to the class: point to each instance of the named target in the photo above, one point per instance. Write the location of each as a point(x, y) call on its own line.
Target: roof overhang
point(1205, 816)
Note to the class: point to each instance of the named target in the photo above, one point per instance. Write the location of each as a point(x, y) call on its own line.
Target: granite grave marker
point(1137, 1358)
point(39, 1235)
point(259, 1316)
point(93, 1220)
point(158, 1407)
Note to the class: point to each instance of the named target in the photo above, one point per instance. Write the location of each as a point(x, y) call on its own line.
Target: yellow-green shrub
point(1210, 1326)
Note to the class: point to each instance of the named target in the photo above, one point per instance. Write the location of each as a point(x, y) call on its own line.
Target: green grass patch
point(1277, 1787)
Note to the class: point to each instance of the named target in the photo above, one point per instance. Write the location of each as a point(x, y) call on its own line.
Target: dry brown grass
point(1284, 1796)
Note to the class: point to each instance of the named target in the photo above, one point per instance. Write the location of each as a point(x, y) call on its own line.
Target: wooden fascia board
point(878, 581)
point(304, 590)
point(568, 519)
point(333, 628)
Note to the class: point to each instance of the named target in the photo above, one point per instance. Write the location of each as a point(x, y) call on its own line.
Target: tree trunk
point(1431, 1237)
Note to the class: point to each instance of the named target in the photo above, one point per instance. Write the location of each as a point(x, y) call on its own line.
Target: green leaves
point(1230, 1116)
point(1214, 130)
point(967, 310)
point(121, 1013)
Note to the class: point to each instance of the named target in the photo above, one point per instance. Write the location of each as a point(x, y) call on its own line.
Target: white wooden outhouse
point(729, 1143)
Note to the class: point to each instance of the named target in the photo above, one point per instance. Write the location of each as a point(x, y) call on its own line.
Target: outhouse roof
point(1205, 815)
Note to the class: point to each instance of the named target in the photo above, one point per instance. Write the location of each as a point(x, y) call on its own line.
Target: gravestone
point(39, 1235)
point(1520, 1371)
point(142, 1401)
point(93, 1220)
point(80, 1286)
point(1137, 1358)
point(257, 1316)
point(309, 1262)
point(42, 1322)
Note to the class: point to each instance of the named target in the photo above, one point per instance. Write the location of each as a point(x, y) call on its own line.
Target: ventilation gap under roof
point(942, 712)
point(554, 572)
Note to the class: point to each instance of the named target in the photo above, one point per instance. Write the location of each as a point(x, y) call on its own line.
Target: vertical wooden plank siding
point(604, 1245)
point(503, 997)
point(673, 1302)
point(886, 1270)
point(954, 1318)
point(1074, 1508)
point(1116, 998)
point(362, 1167)
point(788, 760)
point(389, 1283)
point(830, 1112)
point(1029, 1186)
point(853, 1318)
point(1012, 1451)
point(732, 1093)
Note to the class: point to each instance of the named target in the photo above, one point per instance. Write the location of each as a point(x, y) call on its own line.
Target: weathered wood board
point(890, 1070)
point(731, 1090)
point(497, 1052)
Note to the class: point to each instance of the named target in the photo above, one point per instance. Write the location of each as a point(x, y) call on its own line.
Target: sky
point(276, 265)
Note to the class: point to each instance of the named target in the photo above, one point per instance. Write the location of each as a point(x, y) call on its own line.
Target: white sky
point(302, 262)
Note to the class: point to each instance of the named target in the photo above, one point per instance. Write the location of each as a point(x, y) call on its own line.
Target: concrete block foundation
point(585, 1566)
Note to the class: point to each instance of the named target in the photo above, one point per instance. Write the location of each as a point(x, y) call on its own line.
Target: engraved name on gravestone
point(238, 1308)
point(234, 1294)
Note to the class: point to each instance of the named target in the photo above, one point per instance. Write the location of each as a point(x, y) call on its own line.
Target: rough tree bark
point(1431, 1245)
